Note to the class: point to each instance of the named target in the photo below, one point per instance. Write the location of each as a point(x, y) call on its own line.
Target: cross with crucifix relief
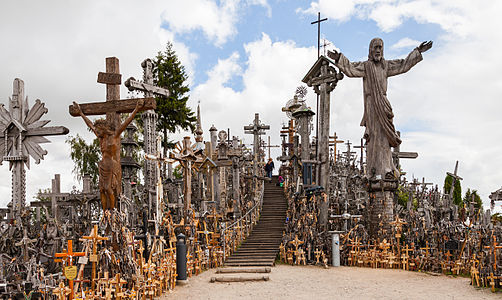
point(109, 131)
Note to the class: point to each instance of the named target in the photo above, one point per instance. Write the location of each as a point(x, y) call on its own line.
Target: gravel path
point(308, 282)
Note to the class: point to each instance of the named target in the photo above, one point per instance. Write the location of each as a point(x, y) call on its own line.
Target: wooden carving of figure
point(110, 171)
point(380, 133)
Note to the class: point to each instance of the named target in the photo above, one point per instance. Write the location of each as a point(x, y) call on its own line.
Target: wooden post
point(323, 78)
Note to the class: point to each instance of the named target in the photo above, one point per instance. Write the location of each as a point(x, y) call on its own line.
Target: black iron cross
point(318, 22)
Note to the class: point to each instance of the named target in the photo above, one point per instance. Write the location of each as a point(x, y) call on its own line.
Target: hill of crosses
point(157, 217)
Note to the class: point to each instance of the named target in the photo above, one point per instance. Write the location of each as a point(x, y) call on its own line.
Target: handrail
point(225, 228)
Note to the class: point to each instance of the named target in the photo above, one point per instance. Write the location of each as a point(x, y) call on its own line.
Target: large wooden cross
point(113, 107)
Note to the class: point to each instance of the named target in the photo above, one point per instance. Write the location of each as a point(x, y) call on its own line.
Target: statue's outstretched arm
point(86, 119)
point(129, 119)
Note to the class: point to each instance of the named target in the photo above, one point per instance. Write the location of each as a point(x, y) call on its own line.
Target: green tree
point(173, 113)
point(403, 196)
point(497, 218)
point(472, 196)
point(457, 189)
point(85, 157)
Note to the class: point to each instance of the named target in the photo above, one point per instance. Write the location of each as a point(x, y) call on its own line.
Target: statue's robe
point(380, 133)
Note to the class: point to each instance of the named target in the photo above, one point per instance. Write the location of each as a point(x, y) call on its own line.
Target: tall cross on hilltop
point(318, 22)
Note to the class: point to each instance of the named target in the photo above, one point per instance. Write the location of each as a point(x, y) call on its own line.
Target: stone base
point(381, 212)
point(181, 282)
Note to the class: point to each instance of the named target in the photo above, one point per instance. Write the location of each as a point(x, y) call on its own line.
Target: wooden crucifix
point(108, 131)
point(25, 241)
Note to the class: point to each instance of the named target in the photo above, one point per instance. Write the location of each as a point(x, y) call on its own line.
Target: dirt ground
point(308, 282)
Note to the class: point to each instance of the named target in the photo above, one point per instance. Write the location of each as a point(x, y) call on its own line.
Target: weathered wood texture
point(240, 279)
point(119, 106)
point(109, 78)
point(134, 85)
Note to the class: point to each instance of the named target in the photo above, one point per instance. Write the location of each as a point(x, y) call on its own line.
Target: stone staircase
point(262, 245)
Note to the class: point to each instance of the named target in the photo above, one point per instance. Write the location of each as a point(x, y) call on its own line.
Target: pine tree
point(173, 113)
point(472, 196)
point(457, 189)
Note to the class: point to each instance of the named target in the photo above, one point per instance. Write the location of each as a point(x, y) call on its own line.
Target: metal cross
point(318, 22)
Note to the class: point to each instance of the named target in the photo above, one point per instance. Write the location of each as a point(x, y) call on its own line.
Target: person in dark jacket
point(269, 167)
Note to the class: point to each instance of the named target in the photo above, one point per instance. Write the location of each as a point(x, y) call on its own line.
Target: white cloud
point(452, 16)
point(405, 43)
point(57, 48)
point(272, 73)
point(217, 20)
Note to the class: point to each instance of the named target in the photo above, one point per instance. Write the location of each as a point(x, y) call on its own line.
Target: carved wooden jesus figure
point(110, 170)
point(380, 133)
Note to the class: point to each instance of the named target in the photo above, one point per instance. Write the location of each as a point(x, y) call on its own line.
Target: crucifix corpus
point(380, 133)
point(109, 130)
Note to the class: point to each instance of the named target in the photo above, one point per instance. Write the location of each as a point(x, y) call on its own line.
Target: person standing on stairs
point(269, 167)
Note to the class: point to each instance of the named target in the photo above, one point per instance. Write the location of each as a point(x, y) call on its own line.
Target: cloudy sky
point(247, 56)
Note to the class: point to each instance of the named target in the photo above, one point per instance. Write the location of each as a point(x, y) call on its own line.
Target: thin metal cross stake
point(318, 22)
